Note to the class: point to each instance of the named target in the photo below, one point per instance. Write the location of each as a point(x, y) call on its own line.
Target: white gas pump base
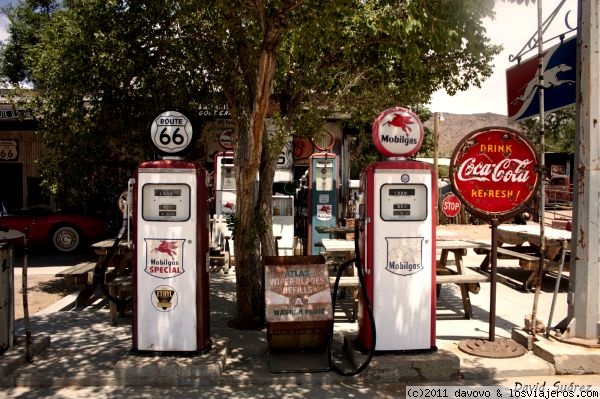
point(391, 367)
point(162, 369)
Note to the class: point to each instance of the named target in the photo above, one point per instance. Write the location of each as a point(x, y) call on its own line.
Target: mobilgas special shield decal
point(164, 258)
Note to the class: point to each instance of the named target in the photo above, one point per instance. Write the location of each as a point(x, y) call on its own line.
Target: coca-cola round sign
point(494, 171)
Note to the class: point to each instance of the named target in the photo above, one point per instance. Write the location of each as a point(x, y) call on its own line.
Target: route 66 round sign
point(171, 132)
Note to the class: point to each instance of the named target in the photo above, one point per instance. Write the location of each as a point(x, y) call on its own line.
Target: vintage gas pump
point(322, 196)
point(170, 273)
point(225, 189)
point(397, 239)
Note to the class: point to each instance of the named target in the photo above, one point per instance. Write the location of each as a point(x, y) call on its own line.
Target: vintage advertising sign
point(297, 293)
point(9, 150)
point(494, 171)
point(164, 298)
point(226, 139)
point(397, 132)
point(171, 132)
point(560, 75)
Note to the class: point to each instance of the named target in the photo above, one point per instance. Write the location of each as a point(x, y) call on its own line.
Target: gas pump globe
point(397, 241)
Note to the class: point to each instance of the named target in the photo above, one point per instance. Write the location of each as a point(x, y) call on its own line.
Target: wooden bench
point(468, 278)
point(80, 274)
point(468, 281)
point(525, 255)
point(352, 284)
point(517, 252)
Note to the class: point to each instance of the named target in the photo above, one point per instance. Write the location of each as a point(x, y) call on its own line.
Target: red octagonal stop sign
point(494, 171)
point(451, 205)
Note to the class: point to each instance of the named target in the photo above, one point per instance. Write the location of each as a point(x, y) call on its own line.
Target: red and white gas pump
point(397, 239)
point(170, 273)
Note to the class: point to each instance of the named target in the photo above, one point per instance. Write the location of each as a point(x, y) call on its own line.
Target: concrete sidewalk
point(88, 357)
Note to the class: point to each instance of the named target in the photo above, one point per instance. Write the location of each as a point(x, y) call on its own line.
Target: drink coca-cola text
point(508, 170)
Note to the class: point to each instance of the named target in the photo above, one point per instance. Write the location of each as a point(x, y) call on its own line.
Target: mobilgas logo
point(164, 258)
point(398, 132)
point(399, 140)
point(403, 268)
point(404, 255)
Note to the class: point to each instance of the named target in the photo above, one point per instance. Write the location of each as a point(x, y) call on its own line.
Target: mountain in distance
point(456, 126)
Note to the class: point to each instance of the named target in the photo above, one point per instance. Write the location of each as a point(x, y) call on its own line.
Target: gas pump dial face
point(166, 202)
point(406, 202)
point(324, 179)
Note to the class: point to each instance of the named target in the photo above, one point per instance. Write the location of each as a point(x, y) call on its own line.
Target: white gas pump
point(322, 196)
point(397, 239)
point(225, 199)
point(170, 273)
point(225, 188)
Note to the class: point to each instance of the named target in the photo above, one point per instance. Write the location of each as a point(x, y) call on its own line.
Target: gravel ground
point(43, 290)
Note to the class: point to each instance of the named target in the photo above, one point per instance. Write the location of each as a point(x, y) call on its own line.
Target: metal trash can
point(7, 306)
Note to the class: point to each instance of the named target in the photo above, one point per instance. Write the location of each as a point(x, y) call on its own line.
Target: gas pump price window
point(405, 202)
point(166, 202)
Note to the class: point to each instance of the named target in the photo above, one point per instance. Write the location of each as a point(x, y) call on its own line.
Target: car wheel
point(65, 239)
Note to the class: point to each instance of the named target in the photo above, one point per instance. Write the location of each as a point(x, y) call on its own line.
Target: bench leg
point(531, 281)
point(464, 288)
point(485, 263)
point(83, 298)
point(114, 311)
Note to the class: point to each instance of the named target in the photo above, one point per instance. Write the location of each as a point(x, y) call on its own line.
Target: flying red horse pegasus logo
point(401, 121)
point(325, 208)
point(167, 247)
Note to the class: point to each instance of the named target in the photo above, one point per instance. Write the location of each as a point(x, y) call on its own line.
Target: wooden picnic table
point(554, 239)
point(467, 280)
point(459, 274)
point(88, 274)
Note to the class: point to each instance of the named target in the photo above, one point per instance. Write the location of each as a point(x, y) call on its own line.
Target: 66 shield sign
point(494, 171)
point(171, 132)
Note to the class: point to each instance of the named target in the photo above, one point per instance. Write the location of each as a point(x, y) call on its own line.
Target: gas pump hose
point(365, 296)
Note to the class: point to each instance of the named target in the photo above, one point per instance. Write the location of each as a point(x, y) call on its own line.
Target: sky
point(512, 28)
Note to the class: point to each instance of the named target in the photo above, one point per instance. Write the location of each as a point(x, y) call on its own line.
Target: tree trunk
point(265, 200)
point(248, 262)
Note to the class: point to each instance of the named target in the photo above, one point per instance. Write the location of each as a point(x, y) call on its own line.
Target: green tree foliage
point(559, 130)
point(26, 21)
point(107, 66)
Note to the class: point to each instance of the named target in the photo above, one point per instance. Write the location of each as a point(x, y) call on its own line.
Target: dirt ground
point(43, 290)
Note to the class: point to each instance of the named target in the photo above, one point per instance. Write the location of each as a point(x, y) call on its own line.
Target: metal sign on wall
point(9, 150)
point(522, 82)
point(494, 171)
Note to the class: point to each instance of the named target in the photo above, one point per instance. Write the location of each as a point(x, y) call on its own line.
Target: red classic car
point(64, 232)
